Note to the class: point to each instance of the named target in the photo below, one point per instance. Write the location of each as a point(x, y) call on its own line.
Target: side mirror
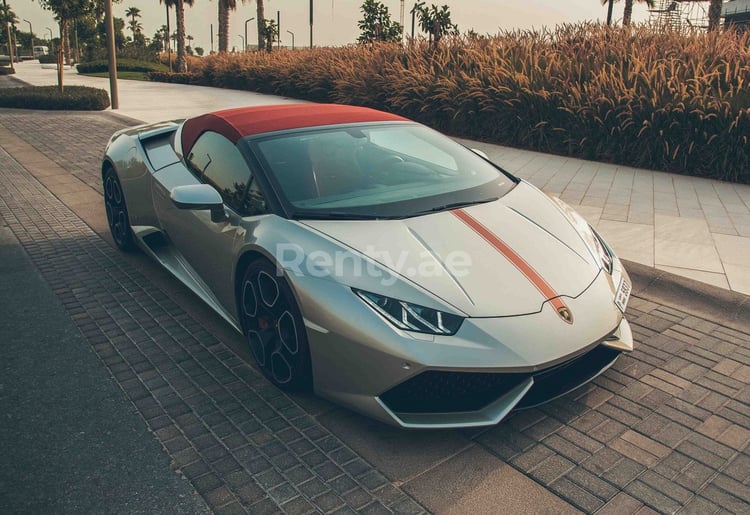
point(480, 153)
point(199, 197)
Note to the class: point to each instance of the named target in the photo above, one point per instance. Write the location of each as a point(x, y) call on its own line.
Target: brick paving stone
point(621, 504)
point(652, 498)
point(576, 495)
point(700, 506)
point(694, 476)
point(177, 384)
point(724, 499)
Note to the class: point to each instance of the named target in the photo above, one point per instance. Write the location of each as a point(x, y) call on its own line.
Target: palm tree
point(225, 6)
point(133, 13)
point(714, 15)
point(9, 19)
point(628, 12)
point(167, 5)
point(180, 8)
point(261, 17)
point(610, 7)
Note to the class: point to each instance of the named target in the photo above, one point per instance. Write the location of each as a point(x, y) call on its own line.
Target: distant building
point(736, 14)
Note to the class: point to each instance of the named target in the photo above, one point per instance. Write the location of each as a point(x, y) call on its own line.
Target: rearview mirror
point(199, 197)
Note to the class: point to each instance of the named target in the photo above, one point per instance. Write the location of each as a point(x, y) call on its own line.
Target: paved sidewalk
point(696, 228)
point(70, 440)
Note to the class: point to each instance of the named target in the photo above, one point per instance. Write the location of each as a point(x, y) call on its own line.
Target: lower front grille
point(556, 381)
point(436, 391)
point(445, 392)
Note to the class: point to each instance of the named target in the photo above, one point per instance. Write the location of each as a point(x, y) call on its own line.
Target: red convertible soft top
point(245, 121)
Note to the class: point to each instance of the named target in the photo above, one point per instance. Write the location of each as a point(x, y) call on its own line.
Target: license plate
point(623, 294)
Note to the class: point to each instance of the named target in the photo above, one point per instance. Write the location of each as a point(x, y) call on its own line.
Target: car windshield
point(376, 171)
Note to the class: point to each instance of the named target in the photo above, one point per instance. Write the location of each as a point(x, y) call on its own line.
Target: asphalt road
point(70, 441)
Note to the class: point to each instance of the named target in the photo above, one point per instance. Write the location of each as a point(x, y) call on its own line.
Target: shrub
point(177, 78)
point(6, 70)
point(123, 65)
point(47, 59)
point(636, 96)
point(77, 98)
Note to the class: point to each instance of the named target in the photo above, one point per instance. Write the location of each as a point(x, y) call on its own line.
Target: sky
point(335, 21)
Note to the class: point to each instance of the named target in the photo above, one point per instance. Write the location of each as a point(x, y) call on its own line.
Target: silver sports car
point(372, 259)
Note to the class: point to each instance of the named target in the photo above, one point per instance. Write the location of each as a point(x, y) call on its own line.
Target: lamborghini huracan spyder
point(372, 259)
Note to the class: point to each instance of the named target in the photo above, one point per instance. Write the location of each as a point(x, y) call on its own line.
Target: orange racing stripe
point(520, 263)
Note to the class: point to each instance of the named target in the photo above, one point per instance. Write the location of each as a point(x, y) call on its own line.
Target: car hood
point(502, 258)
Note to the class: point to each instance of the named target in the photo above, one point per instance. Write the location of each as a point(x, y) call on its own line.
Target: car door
point(210, 247)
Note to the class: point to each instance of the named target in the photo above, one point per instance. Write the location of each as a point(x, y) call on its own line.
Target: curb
point(122, 117)
point(725, 307)
point(21, 82)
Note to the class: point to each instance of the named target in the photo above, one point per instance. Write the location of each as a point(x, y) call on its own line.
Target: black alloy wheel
point(117, 211)
point(274, 328)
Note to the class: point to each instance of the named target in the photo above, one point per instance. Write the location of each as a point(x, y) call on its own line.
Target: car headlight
point(606, 257)
point(411, 317)
point(593, 241)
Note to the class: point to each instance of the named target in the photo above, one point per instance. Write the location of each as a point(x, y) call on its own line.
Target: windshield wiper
point(456, 205)
point(335, 215)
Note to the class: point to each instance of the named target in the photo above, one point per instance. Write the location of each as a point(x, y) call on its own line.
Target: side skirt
point(155, 244)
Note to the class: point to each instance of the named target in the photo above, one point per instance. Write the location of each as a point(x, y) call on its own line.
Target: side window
point(216, 161)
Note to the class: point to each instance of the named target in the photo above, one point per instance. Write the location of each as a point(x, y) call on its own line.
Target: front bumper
point(437, 399)
point(473, 378)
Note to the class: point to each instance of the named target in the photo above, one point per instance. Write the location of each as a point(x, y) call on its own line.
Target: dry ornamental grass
point(637, 96)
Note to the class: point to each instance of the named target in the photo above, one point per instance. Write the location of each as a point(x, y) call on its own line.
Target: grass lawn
point(121, 75)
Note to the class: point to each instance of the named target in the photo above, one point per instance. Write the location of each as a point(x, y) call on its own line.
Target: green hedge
point(176, 78)
point(635, 96)
point(47, 59)
point(74, 98)
point(6, 70)
point(123, 65)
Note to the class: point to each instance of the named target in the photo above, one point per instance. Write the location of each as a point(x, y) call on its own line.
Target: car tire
point(117, 212)
point(273, 327)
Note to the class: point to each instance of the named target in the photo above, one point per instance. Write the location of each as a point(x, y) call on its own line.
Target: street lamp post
point(246, 22)
point(413, 15)
point(311, 23)
point(292, 33)
point(243, 40)
point(31, 32)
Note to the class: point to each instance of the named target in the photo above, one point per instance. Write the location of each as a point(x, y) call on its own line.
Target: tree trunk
point(610, 6)
point(714, 15)
point(181, 60)
point(65, 40)
point(168, 39)
point(627, 13)
point(261, 17)
point(223, 26)
point(60, 72)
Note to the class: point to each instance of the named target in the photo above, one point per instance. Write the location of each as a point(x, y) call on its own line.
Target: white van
point(40, 50)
